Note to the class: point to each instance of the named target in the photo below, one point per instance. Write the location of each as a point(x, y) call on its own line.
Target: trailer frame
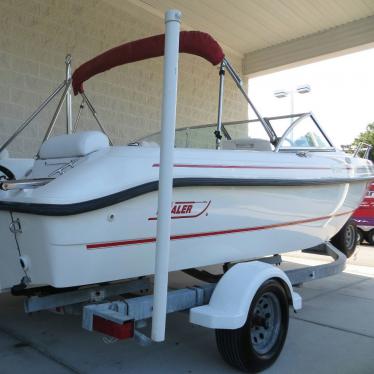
point(97, 302)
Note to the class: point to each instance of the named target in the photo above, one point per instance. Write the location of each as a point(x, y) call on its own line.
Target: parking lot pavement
point(334, 333)
point(15, 353)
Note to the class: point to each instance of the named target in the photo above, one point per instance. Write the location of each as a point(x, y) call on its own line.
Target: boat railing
point(201, 136)
point(363, 149)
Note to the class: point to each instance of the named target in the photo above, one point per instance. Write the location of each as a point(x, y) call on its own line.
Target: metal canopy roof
point(271, 33)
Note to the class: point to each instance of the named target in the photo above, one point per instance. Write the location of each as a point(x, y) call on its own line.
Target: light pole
point(303, 89)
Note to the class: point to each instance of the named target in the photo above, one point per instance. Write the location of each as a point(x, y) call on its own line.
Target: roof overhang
point(350, 37)
point(270, 35)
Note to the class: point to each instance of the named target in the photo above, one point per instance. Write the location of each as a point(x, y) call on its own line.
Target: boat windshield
point(294, 132)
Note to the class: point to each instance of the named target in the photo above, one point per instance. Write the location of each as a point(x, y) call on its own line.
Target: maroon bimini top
point(192, 42)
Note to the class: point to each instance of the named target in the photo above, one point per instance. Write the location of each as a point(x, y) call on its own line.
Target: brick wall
point(35, 36)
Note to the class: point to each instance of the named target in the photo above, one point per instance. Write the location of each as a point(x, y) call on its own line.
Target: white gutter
point(165, 191)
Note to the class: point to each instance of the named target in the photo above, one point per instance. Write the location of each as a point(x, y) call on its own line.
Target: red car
point(364, 218)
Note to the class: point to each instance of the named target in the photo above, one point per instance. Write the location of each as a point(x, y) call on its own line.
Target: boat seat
point(73, 145)
point(250, 144)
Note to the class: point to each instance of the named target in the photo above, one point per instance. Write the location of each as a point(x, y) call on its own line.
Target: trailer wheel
point(360, 236)
point(369, 236)
point(345, 240)
point(257, 344)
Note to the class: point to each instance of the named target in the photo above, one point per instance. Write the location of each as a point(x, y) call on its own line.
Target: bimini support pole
point(168, 117)
point(81, 107)
point(33, 115)
point(69, 115)
point(217, 133)
point(235, 76)
point(95, 116)
point(57, 112)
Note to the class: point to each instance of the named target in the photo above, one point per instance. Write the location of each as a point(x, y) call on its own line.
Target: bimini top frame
point(66, 97)
point(192, 42)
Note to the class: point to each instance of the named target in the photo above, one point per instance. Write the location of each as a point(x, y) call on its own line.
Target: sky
point(341, 97)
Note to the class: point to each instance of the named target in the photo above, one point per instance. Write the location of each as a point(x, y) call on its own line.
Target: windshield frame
point(309, 149)
point(226, 131)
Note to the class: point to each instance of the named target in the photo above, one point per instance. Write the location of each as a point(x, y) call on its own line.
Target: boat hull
point(210, 225)
point(96, 220)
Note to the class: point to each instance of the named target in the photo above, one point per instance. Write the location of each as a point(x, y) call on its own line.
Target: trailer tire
point(257, 344)
point(369, 236)
point(345, 240)
point(360, 236)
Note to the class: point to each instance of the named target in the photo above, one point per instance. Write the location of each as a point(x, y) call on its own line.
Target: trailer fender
point(231, 299)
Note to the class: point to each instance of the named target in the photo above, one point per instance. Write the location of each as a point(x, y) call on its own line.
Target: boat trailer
point(122, 318)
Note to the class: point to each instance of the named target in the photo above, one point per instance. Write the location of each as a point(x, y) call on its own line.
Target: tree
point(366, 137)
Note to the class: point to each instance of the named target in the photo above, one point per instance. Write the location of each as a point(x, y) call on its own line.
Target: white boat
point(85, 212)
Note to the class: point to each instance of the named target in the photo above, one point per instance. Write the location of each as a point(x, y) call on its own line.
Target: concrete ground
point(334, 333)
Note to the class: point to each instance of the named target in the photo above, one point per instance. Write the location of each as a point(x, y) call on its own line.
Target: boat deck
point(333, 333)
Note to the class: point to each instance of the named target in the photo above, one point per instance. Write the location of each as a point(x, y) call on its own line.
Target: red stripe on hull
point(212, 233)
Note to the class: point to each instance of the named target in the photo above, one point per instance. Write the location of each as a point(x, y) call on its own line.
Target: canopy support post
point(235, 76)
point(165, 191)
point(94, 114)
point(56, 113)
point(81, 107)
point(69, 115)
point(33, 115)
point(217, 133)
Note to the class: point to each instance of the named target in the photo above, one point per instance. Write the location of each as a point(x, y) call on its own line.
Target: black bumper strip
point(119, 197)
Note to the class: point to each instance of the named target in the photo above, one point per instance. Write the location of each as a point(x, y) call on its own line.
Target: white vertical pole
point(169, 106)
